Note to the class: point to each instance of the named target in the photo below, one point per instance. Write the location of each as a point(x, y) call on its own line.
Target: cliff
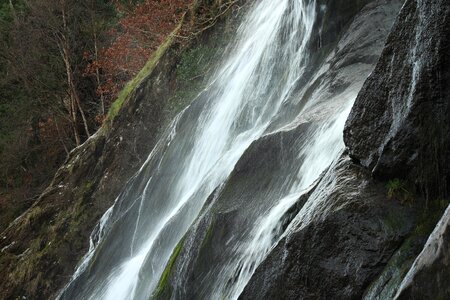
point(366, 228)
point(354, 243)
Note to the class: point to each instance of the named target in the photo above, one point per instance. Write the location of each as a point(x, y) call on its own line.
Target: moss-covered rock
point(163, 289)
point(388, 282)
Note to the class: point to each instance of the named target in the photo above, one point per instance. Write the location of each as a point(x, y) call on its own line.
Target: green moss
point(31, 217)
point(193, 62)
point(86, 187)
point(442, 204)
point(145, 71)
point(208, 234)
point(163, 284)
point(194, 65)
point(399, 190)
point(32, 257)
point(387, 283)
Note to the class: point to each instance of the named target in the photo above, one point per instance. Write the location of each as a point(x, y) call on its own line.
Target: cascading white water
point(318, 153)
point(199, 151)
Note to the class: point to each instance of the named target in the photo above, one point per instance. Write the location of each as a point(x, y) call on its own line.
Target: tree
point(140, 31)
point(62, 63)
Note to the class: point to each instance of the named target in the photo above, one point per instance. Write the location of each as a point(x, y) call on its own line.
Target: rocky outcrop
point(39, 250)
point(400, 123)
point(429, 277)
point(339, 242)
point(398, 128)
point(229, 214)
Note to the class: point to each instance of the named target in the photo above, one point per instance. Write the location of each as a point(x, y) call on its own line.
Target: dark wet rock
point(400, 123)
point(230, 212)
point(429, 277)
point(386, 285)
point(400, 128)
point(347, 41)
point(343, 238)
point(334, 17)
point(340, 247)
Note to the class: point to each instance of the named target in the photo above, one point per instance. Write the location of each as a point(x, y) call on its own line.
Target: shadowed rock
point(429, 277)
point(341, 240)
point(400, 123)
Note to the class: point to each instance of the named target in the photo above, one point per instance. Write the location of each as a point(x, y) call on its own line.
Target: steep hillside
point(39, 250)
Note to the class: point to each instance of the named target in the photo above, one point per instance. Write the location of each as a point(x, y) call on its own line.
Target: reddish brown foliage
point(137, 35)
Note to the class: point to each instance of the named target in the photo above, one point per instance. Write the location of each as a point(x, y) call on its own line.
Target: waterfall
point(248, 97)
point(323, 147)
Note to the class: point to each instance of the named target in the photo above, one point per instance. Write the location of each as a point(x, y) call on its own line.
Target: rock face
point(400, 123)
point(429, 277)
point(398, 127)
point(338, 243)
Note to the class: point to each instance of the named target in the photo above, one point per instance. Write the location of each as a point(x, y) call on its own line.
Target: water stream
point(134, 240)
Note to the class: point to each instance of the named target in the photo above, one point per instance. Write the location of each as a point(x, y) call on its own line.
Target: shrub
point(397, 189)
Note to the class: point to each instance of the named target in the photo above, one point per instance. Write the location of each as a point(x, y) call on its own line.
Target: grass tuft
point(398, 190)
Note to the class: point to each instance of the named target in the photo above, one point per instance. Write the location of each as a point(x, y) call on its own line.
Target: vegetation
point(129, 87)
point(163, 281)
point(425, 220)
point(398, 189)
point(62, 65)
